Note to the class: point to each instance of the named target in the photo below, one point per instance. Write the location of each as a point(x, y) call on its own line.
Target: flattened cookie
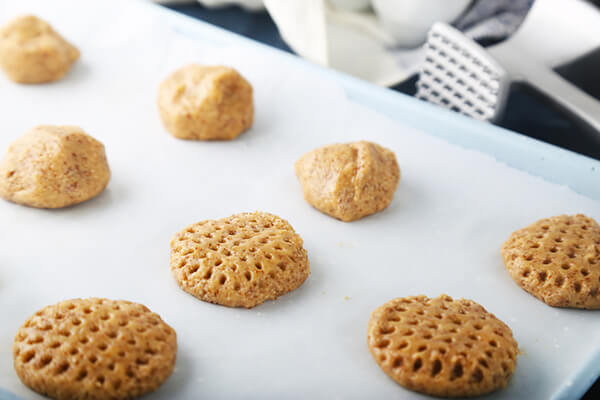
point(442, 347)
point(349, 181)
point(206, 103)
point(94, 349)
point(32, 52)
point(557, 260)
point(53, 167)
point(239, 261)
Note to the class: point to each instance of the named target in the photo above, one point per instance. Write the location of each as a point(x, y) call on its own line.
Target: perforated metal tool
point(461, 75)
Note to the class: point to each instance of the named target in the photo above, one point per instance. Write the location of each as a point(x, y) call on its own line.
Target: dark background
point(527, 112)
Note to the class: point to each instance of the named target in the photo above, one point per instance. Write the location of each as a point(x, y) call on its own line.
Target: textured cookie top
point(53, 167)
point(206, 103)
point(557, 260)
point(32, 52)
point(94, 349)
point(239, 261)
point(349, 181)
point(441, 346)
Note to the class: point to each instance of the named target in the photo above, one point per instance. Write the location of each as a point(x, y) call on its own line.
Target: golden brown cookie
point(349, 181)
point(53, 167)
point(557, 260)
point(239, 261)
point(32, 52)
point(442, 347)
point(206, 103)
point(94, 349)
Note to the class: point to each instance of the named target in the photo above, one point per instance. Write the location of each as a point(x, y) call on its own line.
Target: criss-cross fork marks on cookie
point(94, 349)
point(239, 261)
point(441, 346)
point(557, 260)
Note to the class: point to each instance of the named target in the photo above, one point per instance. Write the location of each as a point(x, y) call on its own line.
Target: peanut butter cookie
point(349, 181)
point(32, 52)
point(239, 261)
point(557, 260)
point(206, 103)
point(442, 347)
point(94, 349)
point(53, 167)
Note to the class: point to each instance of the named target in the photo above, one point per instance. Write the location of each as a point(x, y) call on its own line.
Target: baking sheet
point(453, 209)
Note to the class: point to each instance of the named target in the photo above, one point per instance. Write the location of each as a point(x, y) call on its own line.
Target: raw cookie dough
point(94, 349)
point(557, 260)
point(239, 261)
point(32, 52)
point(206, 103)
point(349, 181)
point(53, 167)
point(442, 347)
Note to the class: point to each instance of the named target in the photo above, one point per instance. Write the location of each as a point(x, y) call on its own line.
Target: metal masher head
point(461, 75)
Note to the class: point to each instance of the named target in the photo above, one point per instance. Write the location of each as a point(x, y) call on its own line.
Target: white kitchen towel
point(302, 25)
point(349, 41)
point(355, 42)
point(254, 5)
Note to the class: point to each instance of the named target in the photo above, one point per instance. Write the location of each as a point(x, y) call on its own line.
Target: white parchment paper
point(441, 234)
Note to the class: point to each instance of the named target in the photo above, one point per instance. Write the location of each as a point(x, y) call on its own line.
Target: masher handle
point(563, 93)
point(568, 96)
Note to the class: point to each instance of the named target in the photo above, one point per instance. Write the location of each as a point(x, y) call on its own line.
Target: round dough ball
point(32, 52)
point(206, 103)
point(53, 167)
point(349, 180)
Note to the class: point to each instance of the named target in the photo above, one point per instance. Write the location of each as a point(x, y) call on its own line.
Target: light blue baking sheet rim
point(552, 163)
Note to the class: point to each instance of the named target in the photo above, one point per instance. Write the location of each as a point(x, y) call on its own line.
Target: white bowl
point(408, 21)
point(351, 5)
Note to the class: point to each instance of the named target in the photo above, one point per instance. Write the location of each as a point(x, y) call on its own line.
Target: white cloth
point(302, 25)
point(249, 4)
point(354, 40)
point(349, 41)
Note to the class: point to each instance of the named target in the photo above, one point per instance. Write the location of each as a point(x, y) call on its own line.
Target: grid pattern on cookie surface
point(441, 346)
point(94, 349)
point(239, 261)
point(557, 260)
